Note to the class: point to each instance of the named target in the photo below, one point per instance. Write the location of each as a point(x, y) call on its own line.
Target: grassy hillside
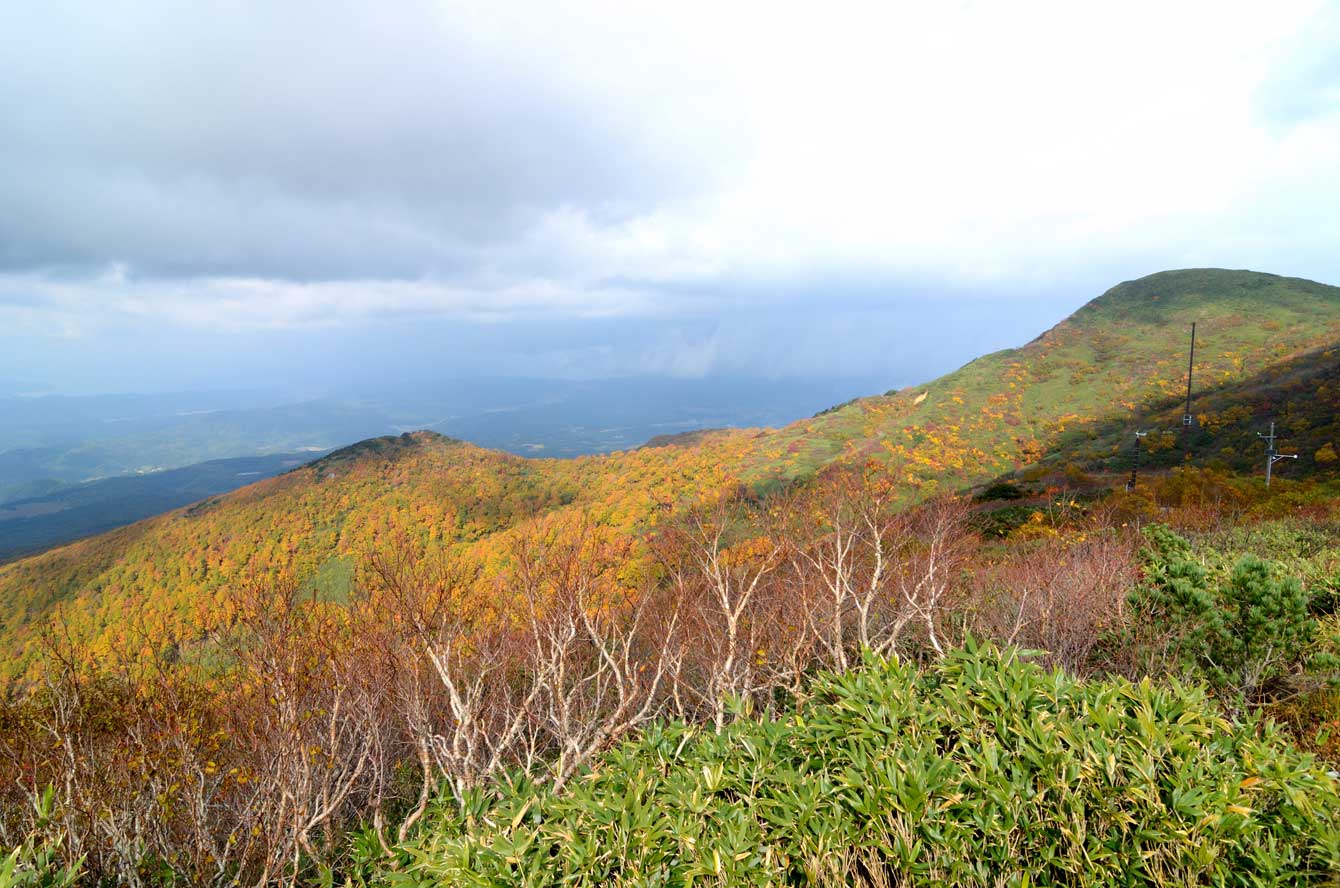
point(1300, 394)
point(1117, 363)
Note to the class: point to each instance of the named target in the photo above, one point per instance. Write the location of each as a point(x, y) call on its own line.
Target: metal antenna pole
point(1187, 418)
point(1272, 456)
point(1270, 450)
point(1135, 466)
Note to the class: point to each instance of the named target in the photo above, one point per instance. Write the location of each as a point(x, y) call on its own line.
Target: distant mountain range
point(51, 441)
point(1071, 397)
point(63, 513)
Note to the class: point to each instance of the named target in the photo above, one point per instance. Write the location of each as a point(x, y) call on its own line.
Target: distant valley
point(68, 512)
point(75, 466)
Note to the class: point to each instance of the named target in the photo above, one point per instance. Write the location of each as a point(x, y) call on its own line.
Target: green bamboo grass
point(980, 770)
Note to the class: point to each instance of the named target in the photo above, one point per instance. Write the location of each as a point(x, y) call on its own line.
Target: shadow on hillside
point(1301, 395)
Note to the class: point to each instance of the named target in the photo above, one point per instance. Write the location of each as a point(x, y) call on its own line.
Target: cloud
point(224, 167)
point(306, 140)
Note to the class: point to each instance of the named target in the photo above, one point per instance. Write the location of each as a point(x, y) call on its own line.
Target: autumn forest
point(949, 635)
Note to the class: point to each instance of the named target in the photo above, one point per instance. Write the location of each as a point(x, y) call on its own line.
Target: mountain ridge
point(1085, 359)
point(997, 414)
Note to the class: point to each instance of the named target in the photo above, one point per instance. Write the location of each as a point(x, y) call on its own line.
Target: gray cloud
point(259, 189)
point(308, 140)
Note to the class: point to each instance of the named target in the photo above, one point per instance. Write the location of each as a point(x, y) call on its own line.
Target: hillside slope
point(1301, 395)
point(1121, 359)
point(1117, 361)
point(172, 578)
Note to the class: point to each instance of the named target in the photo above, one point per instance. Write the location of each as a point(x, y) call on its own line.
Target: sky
point(227, 194)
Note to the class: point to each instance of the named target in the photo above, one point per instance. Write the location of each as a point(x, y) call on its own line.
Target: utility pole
point(1187, 419)
point(1135, 465)
point(1272, 456)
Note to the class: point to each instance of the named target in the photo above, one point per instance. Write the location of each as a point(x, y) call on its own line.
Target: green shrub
point(981, 770)
point(1243, 633)
point(1000, 490)
point(1000, 523)
point(1309, 550)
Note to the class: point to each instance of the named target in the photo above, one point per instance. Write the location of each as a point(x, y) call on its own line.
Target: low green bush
point(1243, 628)
point(1000, 490)
point(982, 769)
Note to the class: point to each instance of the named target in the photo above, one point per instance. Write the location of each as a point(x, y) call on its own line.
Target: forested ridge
point(415, 661)
point(1068, 399)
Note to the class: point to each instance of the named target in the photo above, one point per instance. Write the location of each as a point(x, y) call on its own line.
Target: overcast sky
point(207, 194)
